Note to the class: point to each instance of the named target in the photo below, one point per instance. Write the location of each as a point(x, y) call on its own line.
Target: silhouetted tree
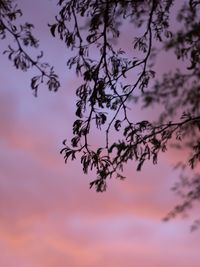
point(113, 79)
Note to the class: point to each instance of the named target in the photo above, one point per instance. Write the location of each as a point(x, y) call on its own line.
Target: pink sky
point(49, 217)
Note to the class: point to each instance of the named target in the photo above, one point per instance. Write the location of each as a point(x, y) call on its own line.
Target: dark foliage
point(107, 89)
point(22, 38)
point(105, 93)
point(103, 96)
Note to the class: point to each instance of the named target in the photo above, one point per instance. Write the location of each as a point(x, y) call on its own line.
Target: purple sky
point(49, 217)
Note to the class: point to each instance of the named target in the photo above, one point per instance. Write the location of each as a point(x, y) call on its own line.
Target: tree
point(104, 97)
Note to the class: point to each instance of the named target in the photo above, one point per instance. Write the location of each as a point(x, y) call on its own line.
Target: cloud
point(50, 218)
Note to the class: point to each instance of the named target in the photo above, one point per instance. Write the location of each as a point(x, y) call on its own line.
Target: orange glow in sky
point(48, 215)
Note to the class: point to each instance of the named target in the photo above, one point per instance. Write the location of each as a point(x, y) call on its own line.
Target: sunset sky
point(48, 215)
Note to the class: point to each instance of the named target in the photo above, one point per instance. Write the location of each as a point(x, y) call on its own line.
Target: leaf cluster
point(23, 38)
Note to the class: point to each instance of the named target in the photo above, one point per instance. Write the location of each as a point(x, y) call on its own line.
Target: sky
point(48, 215)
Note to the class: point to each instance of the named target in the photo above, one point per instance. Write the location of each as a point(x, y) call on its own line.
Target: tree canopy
point(115, 77)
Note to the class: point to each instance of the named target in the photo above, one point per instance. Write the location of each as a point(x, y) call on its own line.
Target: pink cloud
point(49, 217)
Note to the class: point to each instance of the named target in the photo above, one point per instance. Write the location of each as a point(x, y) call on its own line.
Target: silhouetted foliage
point(112, 80)
point(22, 38)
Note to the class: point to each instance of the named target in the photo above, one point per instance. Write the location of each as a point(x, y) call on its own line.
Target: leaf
point(53, 29)
point(91, 38)
point(140, 165)
point(75, 140)
point(117, 125)
point(61, 2)
point(35, 81)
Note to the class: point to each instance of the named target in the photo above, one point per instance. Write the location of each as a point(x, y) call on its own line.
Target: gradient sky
point(48, 215)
